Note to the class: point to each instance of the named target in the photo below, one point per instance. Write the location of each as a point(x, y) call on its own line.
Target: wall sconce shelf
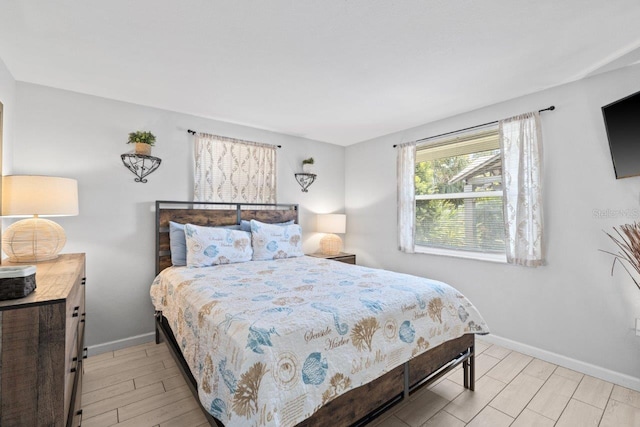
point(141, 165)
point(305, 180)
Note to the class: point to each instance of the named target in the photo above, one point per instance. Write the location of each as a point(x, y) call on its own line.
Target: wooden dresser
point(42, 346)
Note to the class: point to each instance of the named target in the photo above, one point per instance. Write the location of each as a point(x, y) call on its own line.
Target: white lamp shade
point(332, 223)
point(28, 195)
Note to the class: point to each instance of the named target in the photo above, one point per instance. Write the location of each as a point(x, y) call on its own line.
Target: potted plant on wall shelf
point(307, 165)
point(144, 140)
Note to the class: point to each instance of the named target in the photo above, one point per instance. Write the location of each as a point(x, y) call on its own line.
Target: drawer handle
point(75, 359)
point(84, 281)
point(85, 353)
point(76, 310)
point(79, 413)
point(83, 317)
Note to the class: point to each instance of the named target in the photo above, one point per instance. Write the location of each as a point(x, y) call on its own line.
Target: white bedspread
point(269, 342)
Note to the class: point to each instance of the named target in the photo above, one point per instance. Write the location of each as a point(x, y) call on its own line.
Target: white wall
point(81, 136)
point(7, 97)
point(572, 307)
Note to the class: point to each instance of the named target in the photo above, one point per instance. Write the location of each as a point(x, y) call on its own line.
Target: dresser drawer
point(73, 342)
point(75, 413)
point(82, 320)
point(73, 367)
point(75, 308)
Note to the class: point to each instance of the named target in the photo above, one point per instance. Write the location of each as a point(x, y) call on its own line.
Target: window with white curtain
point(458, 194)
point(475, 194)
point(232, 170)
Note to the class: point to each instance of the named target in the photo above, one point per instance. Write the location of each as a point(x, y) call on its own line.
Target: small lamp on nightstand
point(331, 223)
point(36, 239)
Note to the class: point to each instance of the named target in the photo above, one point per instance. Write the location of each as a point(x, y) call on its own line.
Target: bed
point(301, 340)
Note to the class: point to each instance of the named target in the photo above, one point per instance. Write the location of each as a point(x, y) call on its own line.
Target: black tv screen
point(622, 120)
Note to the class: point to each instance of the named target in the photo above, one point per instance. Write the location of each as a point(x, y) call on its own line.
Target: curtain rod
point(193, 132)
point(471, 127)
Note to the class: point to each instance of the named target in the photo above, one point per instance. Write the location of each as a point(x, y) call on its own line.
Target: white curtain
point(232, 170)
point(521, 144)
point(406, 196)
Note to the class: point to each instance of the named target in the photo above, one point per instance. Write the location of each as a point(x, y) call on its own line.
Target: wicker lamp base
point(330, 244)
point(32, 240)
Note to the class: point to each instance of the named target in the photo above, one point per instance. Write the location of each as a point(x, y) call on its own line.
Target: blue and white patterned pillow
point(178, 242)
point(212, 246)
point(271, 241)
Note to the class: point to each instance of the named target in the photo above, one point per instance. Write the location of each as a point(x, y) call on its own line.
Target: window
point(451, 192)
point(458, 192)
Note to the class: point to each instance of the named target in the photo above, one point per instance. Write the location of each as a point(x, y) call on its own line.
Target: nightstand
point(342, 257)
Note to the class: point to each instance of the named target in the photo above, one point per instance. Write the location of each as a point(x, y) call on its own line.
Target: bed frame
point(356, 407)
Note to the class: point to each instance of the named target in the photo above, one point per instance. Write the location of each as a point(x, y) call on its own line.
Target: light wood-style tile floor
point(141, 386)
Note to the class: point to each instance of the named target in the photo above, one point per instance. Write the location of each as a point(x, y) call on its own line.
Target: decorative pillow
point(178, 242)
point(246, 225)
point(275, 241)
point(213, 245)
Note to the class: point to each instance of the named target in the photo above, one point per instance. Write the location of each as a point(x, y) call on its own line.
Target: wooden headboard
point(211, 214)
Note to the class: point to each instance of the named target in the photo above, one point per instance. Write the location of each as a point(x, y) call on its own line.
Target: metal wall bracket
point(305, 180)
point(140, 165)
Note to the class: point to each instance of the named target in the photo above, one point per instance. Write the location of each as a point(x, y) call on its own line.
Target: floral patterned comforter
point(269, 342)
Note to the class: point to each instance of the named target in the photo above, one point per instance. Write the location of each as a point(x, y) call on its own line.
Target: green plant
point(142, 137)
point(308, 161)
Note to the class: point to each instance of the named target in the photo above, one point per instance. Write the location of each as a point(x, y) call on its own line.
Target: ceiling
point(339, 71)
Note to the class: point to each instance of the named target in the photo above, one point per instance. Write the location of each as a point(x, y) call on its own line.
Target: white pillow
point(271, 241)
point(212, 246)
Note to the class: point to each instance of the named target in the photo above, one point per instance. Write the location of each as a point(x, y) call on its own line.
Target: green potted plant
point(307, 165)
point(144, 140)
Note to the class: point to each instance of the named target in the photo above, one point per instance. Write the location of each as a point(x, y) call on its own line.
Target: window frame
point(457, 253)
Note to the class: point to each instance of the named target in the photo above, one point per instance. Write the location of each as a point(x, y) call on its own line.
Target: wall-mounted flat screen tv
point(622, 120)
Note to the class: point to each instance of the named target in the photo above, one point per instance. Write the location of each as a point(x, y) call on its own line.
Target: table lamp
point(331, 244)
point(36, 239)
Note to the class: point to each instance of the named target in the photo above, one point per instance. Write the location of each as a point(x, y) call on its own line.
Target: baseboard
point(120, 344)
point(619, 378)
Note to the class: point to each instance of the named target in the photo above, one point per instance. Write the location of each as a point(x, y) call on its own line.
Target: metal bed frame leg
point(472, 370)
point(158, 313)
point(469, 370)
point(465, 373)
